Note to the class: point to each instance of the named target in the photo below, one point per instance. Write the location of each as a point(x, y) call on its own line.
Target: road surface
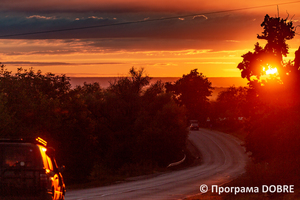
point(223, 160)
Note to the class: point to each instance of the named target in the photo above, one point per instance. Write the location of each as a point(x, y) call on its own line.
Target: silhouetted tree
point(192, 91)
point(267, 94)
point(131, 123)
point(143, 124)
point(32, 99)
point(274, 102)
point(276, 32)
point(232, 104)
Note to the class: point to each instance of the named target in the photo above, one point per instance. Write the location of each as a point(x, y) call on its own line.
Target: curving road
point(223, 160)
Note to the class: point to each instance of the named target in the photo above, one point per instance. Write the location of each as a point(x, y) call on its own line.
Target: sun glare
point(270, 70)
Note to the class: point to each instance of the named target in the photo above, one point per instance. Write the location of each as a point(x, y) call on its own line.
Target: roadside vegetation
point(130, 128)
point(273, 116)
point(265, 115)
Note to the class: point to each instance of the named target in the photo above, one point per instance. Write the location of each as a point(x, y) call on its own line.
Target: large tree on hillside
point(276, 32)
point(192, 91)
point(274, 103)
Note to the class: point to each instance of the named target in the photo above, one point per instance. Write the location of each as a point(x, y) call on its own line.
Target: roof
point(37, 140)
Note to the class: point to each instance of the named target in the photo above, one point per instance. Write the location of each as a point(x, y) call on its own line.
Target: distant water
point(219, 83)
point(105, 81)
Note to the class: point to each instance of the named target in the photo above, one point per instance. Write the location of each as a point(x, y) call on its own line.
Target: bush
point(123, 126)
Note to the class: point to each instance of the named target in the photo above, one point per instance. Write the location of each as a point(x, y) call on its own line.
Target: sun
point(270, 70)
point(269, 73)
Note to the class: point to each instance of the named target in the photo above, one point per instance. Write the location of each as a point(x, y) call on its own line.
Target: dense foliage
point(274, 102)
point(192, 91)
point(269, 106)
point(276, 32)
point(129, 123)
point(230, 108)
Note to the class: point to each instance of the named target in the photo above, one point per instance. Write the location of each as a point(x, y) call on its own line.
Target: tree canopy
point(276, 32)
point(95, 130)
point(192, 91)
point(274, 102)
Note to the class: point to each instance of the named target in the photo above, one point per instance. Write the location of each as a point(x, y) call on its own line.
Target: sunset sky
point(208, 35)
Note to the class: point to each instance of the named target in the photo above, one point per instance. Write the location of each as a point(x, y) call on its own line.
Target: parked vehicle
point(28, 170)
point(194, 125)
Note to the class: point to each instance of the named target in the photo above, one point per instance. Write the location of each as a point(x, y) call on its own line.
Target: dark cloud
point(137, 6)
point(211, 27)
point(111, 6)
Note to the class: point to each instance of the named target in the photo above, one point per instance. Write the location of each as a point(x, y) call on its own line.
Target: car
point(194, 126)
point(28, 171)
